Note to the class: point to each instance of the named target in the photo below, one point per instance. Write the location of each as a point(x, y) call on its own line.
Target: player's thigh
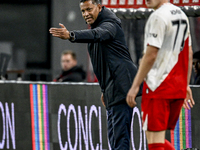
point(155, 137)
point(175, 108)
point(155, 114)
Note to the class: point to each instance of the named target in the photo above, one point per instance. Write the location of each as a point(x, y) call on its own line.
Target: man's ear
point(100, 7)
point(75, 62)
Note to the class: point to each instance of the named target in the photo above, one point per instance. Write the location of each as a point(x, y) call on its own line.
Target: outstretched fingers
point(62, 32)
point(62, 25)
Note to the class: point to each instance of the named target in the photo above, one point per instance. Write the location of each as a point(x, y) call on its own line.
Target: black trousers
point(119, 121)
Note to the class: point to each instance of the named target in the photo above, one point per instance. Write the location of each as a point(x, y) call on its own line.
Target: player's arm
point(189, 101)
point(190, 64)
point(146, 64)
point(102, 100)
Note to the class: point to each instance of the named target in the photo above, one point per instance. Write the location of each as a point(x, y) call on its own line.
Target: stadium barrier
point(65, 116)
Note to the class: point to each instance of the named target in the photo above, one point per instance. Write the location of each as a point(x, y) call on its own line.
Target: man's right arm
point(105, 31)
point(189, 101)
point(190, 64)
point(62, 32)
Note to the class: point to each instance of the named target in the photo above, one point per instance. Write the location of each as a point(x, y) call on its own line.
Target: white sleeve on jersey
point(155, 31)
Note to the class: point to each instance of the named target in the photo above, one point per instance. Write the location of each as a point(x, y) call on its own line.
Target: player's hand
point(188, 101)
point(62, 32)
point(102, 100)
point(130, 98)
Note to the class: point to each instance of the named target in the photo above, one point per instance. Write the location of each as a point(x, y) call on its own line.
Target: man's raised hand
point(62, 32)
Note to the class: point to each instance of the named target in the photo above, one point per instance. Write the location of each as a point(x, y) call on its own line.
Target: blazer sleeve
point(106, 31)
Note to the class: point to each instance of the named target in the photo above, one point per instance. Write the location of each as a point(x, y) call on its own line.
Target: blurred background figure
point(70, 71)
point(196, 66)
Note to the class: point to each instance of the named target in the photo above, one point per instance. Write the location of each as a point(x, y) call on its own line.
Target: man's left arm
point(145, 66)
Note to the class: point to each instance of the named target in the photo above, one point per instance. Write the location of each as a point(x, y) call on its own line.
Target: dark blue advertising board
point(69, 116)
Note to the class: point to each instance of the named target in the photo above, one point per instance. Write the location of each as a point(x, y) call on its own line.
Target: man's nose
point(86, 13)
